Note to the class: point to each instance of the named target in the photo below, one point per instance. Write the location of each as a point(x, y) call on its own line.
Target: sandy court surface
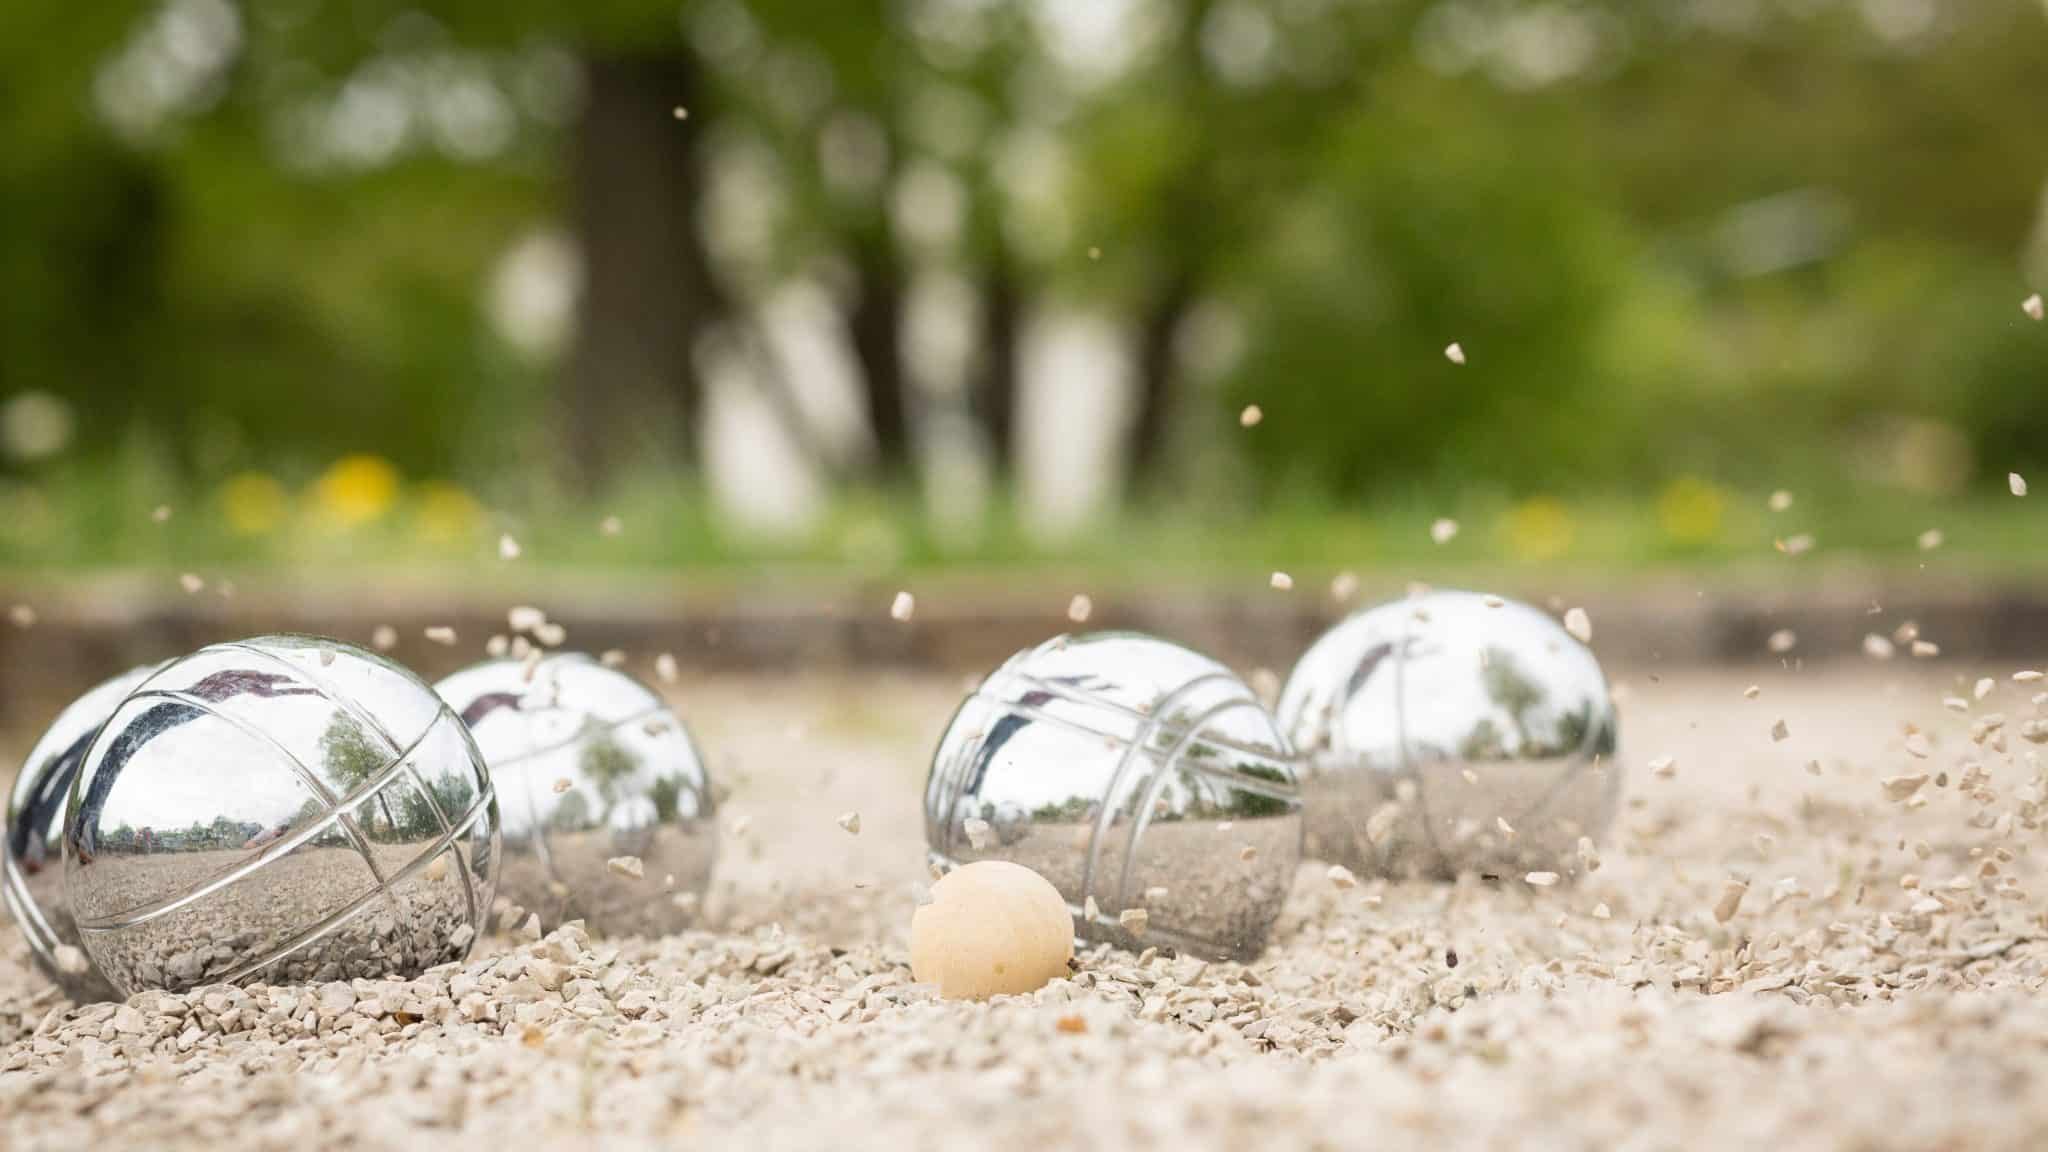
point(1876, 983)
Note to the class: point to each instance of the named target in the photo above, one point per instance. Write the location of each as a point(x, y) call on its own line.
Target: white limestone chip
point(1731, 900)
point(1901, 788)
point(1344, 586)
point(979, 834)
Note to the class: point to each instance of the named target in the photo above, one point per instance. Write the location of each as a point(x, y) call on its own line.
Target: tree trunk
point(875, 324)
point(631, 388)
point(1002, 307)
point(1179, 242)
point(1155, 371)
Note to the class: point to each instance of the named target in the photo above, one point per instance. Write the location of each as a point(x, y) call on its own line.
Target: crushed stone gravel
point(1766, 958)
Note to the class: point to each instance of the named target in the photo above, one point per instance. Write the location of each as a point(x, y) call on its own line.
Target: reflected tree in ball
point(1144, 780)
point(1452, 732)
point(591, 766)
point(287, 809)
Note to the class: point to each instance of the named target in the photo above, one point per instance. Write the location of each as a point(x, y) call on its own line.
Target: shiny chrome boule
point(1452, 732)
point(1137, 776)
point(287, 809)
point(591, 766)
point(32, 871)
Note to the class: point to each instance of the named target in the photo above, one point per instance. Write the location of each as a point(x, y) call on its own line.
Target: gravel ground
point(1766, 958)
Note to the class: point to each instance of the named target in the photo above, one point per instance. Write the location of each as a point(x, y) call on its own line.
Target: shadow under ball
point(287, 809)
point(1452, 732)
point(32, 870)
point(590, 766)
point(1133, 772)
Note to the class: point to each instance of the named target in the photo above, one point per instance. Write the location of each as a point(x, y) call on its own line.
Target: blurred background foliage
point(949, 281)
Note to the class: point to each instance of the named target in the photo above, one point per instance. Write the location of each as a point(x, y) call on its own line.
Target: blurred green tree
point(1762, 243)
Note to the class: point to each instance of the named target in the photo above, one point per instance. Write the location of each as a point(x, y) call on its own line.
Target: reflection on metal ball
point(1139, 777)
point(287, 809)
point(591, 766)
point(32, 871)
point(1452, 732)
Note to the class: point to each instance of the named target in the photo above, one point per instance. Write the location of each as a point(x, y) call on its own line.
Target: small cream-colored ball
point(992, 928)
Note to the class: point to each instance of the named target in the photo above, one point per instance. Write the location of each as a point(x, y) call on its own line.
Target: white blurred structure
point(1074, 409)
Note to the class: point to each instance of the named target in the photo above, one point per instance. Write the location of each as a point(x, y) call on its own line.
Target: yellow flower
point(356, 490)
point(1689, 510)
point(446, 513)
point(253, 503)
point(1538, 528)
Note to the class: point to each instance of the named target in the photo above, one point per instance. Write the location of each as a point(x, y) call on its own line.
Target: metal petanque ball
point(591, 767)
point(1452, 732)
point(287, 809)
point(32, 871)
point(1144, 780)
